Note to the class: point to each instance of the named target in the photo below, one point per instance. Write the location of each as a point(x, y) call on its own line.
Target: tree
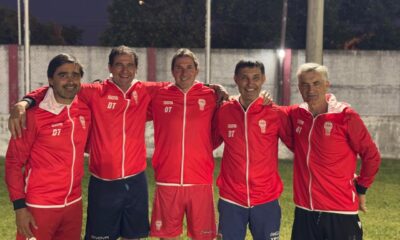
point(8, 29)
point(181, 23)
point(41, 34)
point(356, 24)
point(241, 24)
point(367, 24)
point(296, 24)
point(154, 23)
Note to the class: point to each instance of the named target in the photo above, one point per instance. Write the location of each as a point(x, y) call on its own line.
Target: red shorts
point(172, 202)
point(57, 223)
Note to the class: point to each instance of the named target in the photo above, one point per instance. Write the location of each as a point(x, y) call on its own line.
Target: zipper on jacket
point(247, 150)
point(183, 130)
point(124, 136)
point(314, 119)
point(134, 81)
point(247, 158)
point(183, 136)
point(73, 154)
point(308, 164)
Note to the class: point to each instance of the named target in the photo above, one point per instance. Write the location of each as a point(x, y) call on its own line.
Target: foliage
point(381, 222)
point(155, 23)
point(371, 24)
point(8, 26)
point(357, 24)
point(238, 24)
point(178, 23)
point(41, 33)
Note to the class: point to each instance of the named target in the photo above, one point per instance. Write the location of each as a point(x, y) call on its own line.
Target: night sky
point(89, 15)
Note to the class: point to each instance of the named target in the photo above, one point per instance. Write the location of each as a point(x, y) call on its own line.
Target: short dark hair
point(249, 63)
point(61, 59)
point(121, 50)
point(184, 52)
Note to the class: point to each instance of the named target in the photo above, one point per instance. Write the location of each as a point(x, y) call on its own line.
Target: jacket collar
point(50, 104)
point(333, 105)
point(256, 103)
point(194, 86)
point(111, 81)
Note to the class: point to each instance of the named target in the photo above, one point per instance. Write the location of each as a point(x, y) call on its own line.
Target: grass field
point(381, 222)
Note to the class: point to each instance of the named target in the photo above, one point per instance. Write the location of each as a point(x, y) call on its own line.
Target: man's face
point(123, 69)
point(313, 86)
point(184, 72)
point(66, 82)
point(249, 81)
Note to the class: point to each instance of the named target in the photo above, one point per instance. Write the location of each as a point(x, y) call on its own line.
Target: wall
point(368, 80)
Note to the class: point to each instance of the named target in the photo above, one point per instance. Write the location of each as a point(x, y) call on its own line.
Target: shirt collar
point(50, 104)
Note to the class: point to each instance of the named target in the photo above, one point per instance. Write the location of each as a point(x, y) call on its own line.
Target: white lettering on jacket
point(110, 97)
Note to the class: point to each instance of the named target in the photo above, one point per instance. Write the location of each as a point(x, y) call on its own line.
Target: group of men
point(107, 119)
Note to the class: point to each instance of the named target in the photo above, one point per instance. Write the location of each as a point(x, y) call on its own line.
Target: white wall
point(368, 80)
point(4, 73)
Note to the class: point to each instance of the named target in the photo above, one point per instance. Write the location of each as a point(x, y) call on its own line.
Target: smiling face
point(185, 72)
point(249, 81)
point(66, 82)
point(123, 70)
point(313, 86)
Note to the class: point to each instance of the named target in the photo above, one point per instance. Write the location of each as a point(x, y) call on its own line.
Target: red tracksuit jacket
point(249, 168)
point(116, 144)
point(51, 151)
point(325, 155)
point(182, 135)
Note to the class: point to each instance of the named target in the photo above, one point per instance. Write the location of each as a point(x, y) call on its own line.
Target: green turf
point(382, 221)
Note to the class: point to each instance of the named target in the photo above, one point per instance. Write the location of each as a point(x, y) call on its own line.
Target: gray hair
point(312, 67)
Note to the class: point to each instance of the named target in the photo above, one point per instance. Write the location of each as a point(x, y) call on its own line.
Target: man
point(47, 196)
point(249, 182)
point(118, 198)
point(328, 136)
point(182, 160)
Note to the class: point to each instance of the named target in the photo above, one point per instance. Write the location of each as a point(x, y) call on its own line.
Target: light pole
point(27, 46)
point(281, 55)
point(315, 28)
point(208, 41)
point(19, 21)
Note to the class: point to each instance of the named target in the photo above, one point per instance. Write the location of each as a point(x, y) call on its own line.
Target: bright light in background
point(281, 53)
point(141, 2)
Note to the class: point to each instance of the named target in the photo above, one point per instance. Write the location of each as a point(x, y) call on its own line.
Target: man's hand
point(267, 97)
point(221, 92)
point(362, 199)
point(24, 221)
point(17, 119)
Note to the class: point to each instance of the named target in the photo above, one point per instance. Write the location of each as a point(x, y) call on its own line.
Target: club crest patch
point(202, 104)
point(158, 225)
point(328, 128)
point(263, 125)
point(82, 121)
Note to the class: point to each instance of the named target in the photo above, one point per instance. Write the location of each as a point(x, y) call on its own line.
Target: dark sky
point(89, 15)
